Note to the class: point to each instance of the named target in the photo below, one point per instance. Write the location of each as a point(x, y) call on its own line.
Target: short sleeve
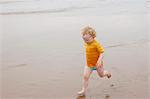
point(99, 48)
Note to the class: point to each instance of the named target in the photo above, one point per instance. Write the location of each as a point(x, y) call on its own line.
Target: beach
point(43, 57)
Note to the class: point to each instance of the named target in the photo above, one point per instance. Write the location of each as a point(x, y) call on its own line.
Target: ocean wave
point(78, 6)
point(43, 11)
point(10, 2)
point(141, 41)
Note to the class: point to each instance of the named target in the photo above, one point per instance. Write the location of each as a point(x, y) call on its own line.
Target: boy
point(94, 56)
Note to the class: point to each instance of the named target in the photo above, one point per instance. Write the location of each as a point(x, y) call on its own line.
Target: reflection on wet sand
point(84, 97)
point(81, 97)
point(107, 97)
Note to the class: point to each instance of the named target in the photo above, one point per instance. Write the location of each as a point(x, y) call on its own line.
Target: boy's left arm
point(101, 51)
point(99, 62)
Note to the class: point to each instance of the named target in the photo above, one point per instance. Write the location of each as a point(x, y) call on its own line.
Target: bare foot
point(108, 75)
point(81, 93)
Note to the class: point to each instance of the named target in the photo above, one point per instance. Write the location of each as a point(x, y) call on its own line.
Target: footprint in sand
point(107, 97)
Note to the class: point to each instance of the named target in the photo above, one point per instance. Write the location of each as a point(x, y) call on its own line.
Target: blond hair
point(89, 30)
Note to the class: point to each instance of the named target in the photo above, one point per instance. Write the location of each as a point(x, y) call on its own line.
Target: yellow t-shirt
point(93, 50)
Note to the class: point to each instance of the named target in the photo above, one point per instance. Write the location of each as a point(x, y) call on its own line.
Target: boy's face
point(87, 38)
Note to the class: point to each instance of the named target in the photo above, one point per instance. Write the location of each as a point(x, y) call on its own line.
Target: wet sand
point(43, 57)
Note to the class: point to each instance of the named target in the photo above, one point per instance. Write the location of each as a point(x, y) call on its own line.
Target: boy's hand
point(99, 63)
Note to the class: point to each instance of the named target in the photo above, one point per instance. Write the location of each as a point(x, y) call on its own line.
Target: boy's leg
point(86, 76)
point(103, 73)
point(107, 74)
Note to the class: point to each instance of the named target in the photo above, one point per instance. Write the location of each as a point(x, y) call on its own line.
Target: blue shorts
point(93, 68)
